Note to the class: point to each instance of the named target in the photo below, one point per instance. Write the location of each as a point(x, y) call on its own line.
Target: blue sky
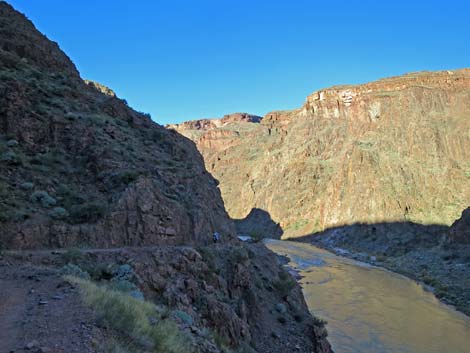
point(186, 59)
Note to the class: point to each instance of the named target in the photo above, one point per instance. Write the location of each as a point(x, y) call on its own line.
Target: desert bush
point(27, 186)
point(284, 284)
point(68, 196)
point(319, 322)
point(87, 212)
point(12, 143)
point(49, 158)
point(75, 271)
point(239, 255)
point(118, 179)
point(209, 259)
point(58, 213)
point(134, 319)
point(19, 215)
point(184, 317)
point(43, 198)
point(282, 319)
point(256, 235)
point(72, 255)
point(72, 116)
point(5, 216)
point(11, 158)
point(123, 280)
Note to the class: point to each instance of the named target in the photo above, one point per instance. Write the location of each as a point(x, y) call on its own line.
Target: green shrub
point(256, 235)
point(11, 158)
point(88, 212)
point(184, 317)
point(27, 186)
point(43, 198)
point(75, 271)
point(122, 285)
point(69, 197)
point(19, 215)
point(72, 255)
point(118, 179)
point(133, 319)
point(284, 284)
point(282, 319)
point(5, 216)
point(58, 213)
point(319, 322)
point(239, 255)
point(124, 273)
point(12, 143)
point(71, 116)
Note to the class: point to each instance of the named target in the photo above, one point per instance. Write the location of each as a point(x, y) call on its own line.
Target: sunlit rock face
point(391, 150)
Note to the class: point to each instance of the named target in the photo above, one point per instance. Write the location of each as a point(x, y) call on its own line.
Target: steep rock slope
point(459, 232)
point(230, 297)
point(391, 150)
point(79, 167)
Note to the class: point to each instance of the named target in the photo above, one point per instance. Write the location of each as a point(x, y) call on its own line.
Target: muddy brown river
point(372, 310)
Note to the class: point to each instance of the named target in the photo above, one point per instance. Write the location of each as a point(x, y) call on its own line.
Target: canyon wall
point(79, 167)
point(391, 150)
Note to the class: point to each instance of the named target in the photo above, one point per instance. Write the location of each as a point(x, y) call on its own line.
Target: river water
point(371, 310)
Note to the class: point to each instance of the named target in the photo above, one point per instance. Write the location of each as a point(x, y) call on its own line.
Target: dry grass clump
point(139, 324)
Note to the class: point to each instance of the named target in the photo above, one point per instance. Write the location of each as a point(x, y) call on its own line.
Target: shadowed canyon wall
point(78, 166)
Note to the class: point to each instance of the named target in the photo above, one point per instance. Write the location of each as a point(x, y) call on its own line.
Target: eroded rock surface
point(231, 296)
point(391, 150)
point(80, 167)
point(459, 232)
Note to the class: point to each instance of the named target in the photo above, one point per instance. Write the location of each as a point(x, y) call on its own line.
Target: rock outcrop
point(226, 297)
point(78, 166)
point(394, 150)
point(459, 232)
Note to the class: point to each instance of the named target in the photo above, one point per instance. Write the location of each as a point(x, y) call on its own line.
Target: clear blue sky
point(181, 60)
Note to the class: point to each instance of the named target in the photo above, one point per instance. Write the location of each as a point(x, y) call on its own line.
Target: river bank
point(419, 254)
point(370, 309)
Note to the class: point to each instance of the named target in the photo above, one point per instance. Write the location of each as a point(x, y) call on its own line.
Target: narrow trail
point(12, 309)
point(39, 312)
point(90, 250)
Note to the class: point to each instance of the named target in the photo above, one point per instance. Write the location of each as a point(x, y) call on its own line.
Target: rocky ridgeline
point(390, 150)
point(80, 167)
point(208, 124)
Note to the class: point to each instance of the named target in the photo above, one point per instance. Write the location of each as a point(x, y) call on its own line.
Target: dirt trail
point(12, 310)
point(45, 252)
point(38, 309)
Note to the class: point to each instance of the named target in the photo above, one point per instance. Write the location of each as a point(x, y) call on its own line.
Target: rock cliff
point(385, 151)
point(459, 232)
point(80, 167)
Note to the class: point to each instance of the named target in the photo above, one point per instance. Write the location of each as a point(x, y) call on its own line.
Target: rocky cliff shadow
point(258, 224)
point(387, 238)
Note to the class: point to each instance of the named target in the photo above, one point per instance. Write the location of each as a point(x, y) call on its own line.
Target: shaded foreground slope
point(224, 298)
point(79, 167)
point(391, 150)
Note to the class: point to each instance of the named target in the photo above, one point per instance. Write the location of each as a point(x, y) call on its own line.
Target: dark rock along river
point(372, 310)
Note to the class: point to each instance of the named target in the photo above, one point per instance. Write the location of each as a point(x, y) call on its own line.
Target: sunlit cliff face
point(391, 150)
